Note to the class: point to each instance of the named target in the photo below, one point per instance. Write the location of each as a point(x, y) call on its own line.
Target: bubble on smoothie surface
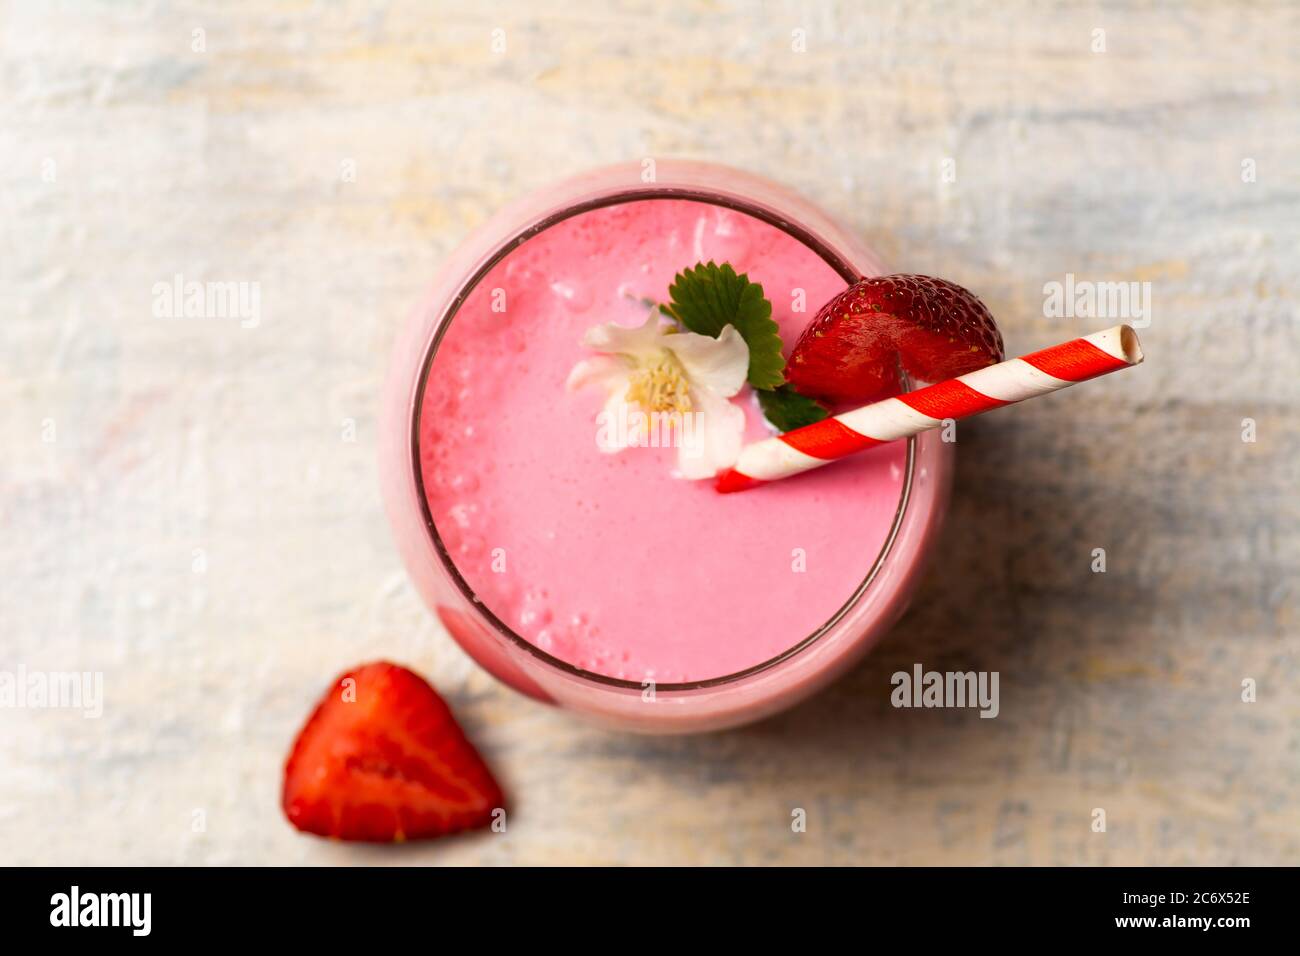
point(720, 237)
point(535, 612)
point(471, 546)
point(462, 482)
point(575, 296)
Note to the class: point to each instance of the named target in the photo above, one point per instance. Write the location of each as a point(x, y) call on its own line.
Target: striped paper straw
point(1003, 384)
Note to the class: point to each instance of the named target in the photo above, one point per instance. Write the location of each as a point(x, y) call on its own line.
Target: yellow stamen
point(661, 386)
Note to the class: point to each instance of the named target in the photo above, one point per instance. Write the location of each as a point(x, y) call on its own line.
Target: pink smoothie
point(608, 562)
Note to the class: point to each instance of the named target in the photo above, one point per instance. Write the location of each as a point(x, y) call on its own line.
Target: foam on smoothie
point(607, 561)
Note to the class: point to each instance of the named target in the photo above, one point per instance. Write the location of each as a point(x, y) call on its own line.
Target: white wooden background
point(181, 511)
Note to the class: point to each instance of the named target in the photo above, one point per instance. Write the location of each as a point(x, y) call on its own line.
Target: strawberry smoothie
point(607, 561)
point(582, 577)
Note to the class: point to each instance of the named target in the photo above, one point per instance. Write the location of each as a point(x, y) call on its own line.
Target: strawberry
point(937, 328)
point(381, 759)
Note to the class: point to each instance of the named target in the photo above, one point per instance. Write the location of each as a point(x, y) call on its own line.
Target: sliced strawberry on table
point(382, 760)
point(850, 350)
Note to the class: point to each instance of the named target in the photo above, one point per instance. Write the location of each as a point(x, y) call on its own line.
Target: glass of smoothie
point(605, 583)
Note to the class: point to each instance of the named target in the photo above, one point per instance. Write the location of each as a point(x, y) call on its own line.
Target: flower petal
point(609, 371)
point(713, 438)
point(717, 365)
point(639, 342)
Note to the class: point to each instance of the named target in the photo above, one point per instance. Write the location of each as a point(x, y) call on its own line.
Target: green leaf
point(708, 297)
point(787, 410)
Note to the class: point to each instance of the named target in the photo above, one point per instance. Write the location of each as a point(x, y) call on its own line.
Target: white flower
point(668, 387)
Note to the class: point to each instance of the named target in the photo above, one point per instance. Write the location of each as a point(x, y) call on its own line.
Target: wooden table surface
point(184, 512)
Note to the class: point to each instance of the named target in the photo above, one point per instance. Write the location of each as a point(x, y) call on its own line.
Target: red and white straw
point(1003, 384)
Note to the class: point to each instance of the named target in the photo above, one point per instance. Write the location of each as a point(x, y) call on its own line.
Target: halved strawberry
point(848, 352)
point(382, 759)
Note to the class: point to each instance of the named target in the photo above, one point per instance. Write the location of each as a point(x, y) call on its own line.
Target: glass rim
point(712, 197)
